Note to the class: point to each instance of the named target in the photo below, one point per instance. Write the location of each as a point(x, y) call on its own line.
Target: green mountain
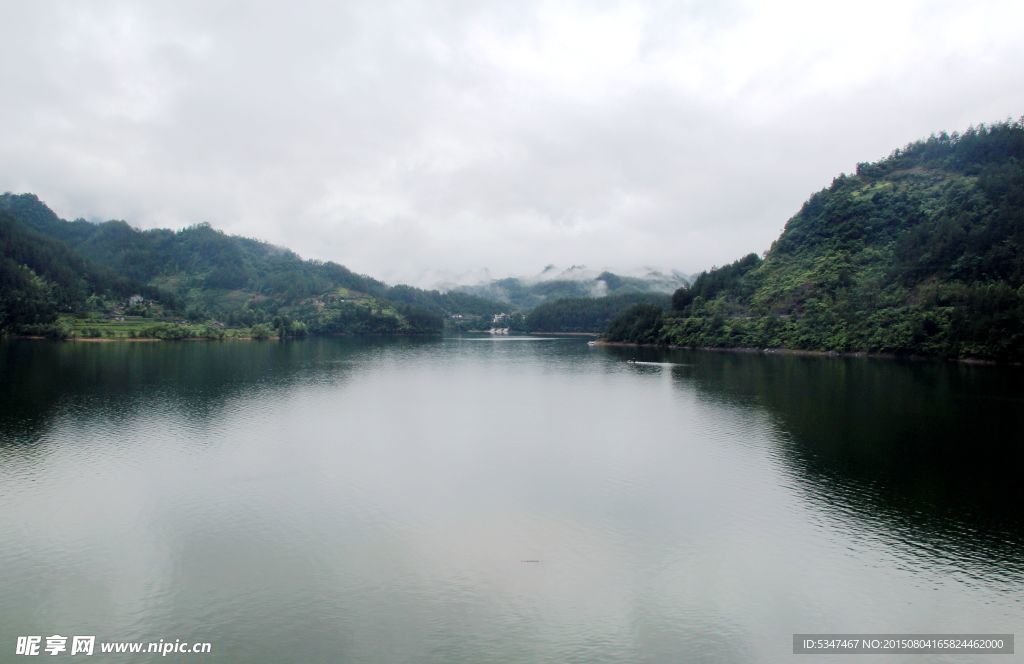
point(53, 270)
point(921, 253)
point(41, 276)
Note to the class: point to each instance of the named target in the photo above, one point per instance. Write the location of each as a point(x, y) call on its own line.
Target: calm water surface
point(339, 500)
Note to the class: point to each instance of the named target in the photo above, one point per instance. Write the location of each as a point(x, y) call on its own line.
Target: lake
point(502, 499)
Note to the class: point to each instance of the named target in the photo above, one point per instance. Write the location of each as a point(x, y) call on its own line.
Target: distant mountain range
point(78, 278)
point(576, 281)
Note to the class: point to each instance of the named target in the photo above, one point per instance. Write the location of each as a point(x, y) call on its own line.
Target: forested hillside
point(920, 253)
point(51, 269)
point(587, 314)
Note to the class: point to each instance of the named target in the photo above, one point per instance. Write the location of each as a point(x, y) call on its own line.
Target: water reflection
point(924, 455)
point(44, 382)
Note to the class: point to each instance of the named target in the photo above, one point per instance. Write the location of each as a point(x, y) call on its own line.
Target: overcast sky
point(408, 140)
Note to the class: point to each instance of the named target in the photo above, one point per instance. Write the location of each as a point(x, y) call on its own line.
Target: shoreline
point(564, 334)
point(796, 352)
point(539, 334)
point(103, 340)
point(788, 352)
point(273, 337)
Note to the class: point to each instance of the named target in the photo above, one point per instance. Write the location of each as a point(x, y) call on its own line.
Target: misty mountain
point(577, 281)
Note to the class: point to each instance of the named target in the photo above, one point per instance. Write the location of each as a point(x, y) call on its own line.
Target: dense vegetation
point(76, 278)
point(920, 253)
point(640, 324)
point(587, 314)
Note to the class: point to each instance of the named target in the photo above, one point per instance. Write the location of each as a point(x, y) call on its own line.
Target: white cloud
point(405, 138)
